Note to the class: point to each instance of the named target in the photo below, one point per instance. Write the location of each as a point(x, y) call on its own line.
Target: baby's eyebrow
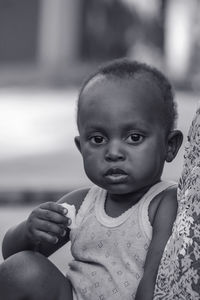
point(125, 129)
point(135, 125)
point(95, 125)
point(95, 128)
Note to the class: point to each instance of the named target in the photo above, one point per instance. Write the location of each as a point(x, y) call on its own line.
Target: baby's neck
point(117, 204)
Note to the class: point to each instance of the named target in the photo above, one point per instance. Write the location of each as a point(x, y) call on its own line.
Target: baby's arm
point(162, 228)
point(45, 230)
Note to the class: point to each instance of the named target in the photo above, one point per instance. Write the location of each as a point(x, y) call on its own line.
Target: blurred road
point(37, 150)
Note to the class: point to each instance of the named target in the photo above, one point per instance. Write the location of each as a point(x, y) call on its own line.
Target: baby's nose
point(114, 152)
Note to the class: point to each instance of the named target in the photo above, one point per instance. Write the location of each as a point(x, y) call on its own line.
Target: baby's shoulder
point(74, 198)
point(172, 190)
point(166, 201)
point(169, 197)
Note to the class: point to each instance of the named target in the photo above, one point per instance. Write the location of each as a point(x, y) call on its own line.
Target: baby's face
point(122, 137)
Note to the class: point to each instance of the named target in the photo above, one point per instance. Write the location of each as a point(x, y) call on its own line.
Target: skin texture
point(124, 145)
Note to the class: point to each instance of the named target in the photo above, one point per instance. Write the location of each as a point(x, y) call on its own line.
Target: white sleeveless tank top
point(109, 253)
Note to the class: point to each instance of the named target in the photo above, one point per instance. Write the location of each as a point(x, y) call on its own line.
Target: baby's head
point(126, 119)
point(124, 71)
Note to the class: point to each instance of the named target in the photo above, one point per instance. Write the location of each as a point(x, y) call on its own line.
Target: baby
point(126, 120)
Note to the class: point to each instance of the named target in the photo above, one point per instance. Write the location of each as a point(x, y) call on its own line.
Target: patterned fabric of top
point(179, 271)
point(109, 253)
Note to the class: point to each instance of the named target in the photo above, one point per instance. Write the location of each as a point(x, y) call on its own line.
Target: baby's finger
point(52, 206)
point(42, 236)
point(52, 228)
point(52, 216)
point(71, 214)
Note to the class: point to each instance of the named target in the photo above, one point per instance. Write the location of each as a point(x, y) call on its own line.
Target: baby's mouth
point(116, 175)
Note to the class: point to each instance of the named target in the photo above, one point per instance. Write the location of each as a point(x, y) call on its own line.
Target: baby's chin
point(119, 189)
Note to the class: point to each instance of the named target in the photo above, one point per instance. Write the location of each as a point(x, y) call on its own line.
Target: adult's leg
point(29, 275)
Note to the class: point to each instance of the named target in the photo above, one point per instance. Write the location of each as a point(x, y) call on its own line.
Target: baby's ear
point(77, 142)
point(175, 139)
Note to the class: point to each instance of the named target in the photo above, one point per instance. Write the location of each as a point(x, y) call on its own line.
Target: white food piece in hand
point(70, 214)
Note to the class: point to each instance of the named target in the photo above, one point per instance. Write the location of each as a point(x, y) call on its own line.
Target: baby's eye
point(135, 138)
point(97, 139)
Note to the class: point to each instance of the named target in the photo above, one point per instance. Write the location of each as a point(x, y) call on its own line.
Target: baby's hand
point(47, 223)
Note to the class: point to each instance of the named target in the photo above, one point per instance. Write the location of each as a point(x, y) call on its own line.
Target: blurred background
point(47, 48)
